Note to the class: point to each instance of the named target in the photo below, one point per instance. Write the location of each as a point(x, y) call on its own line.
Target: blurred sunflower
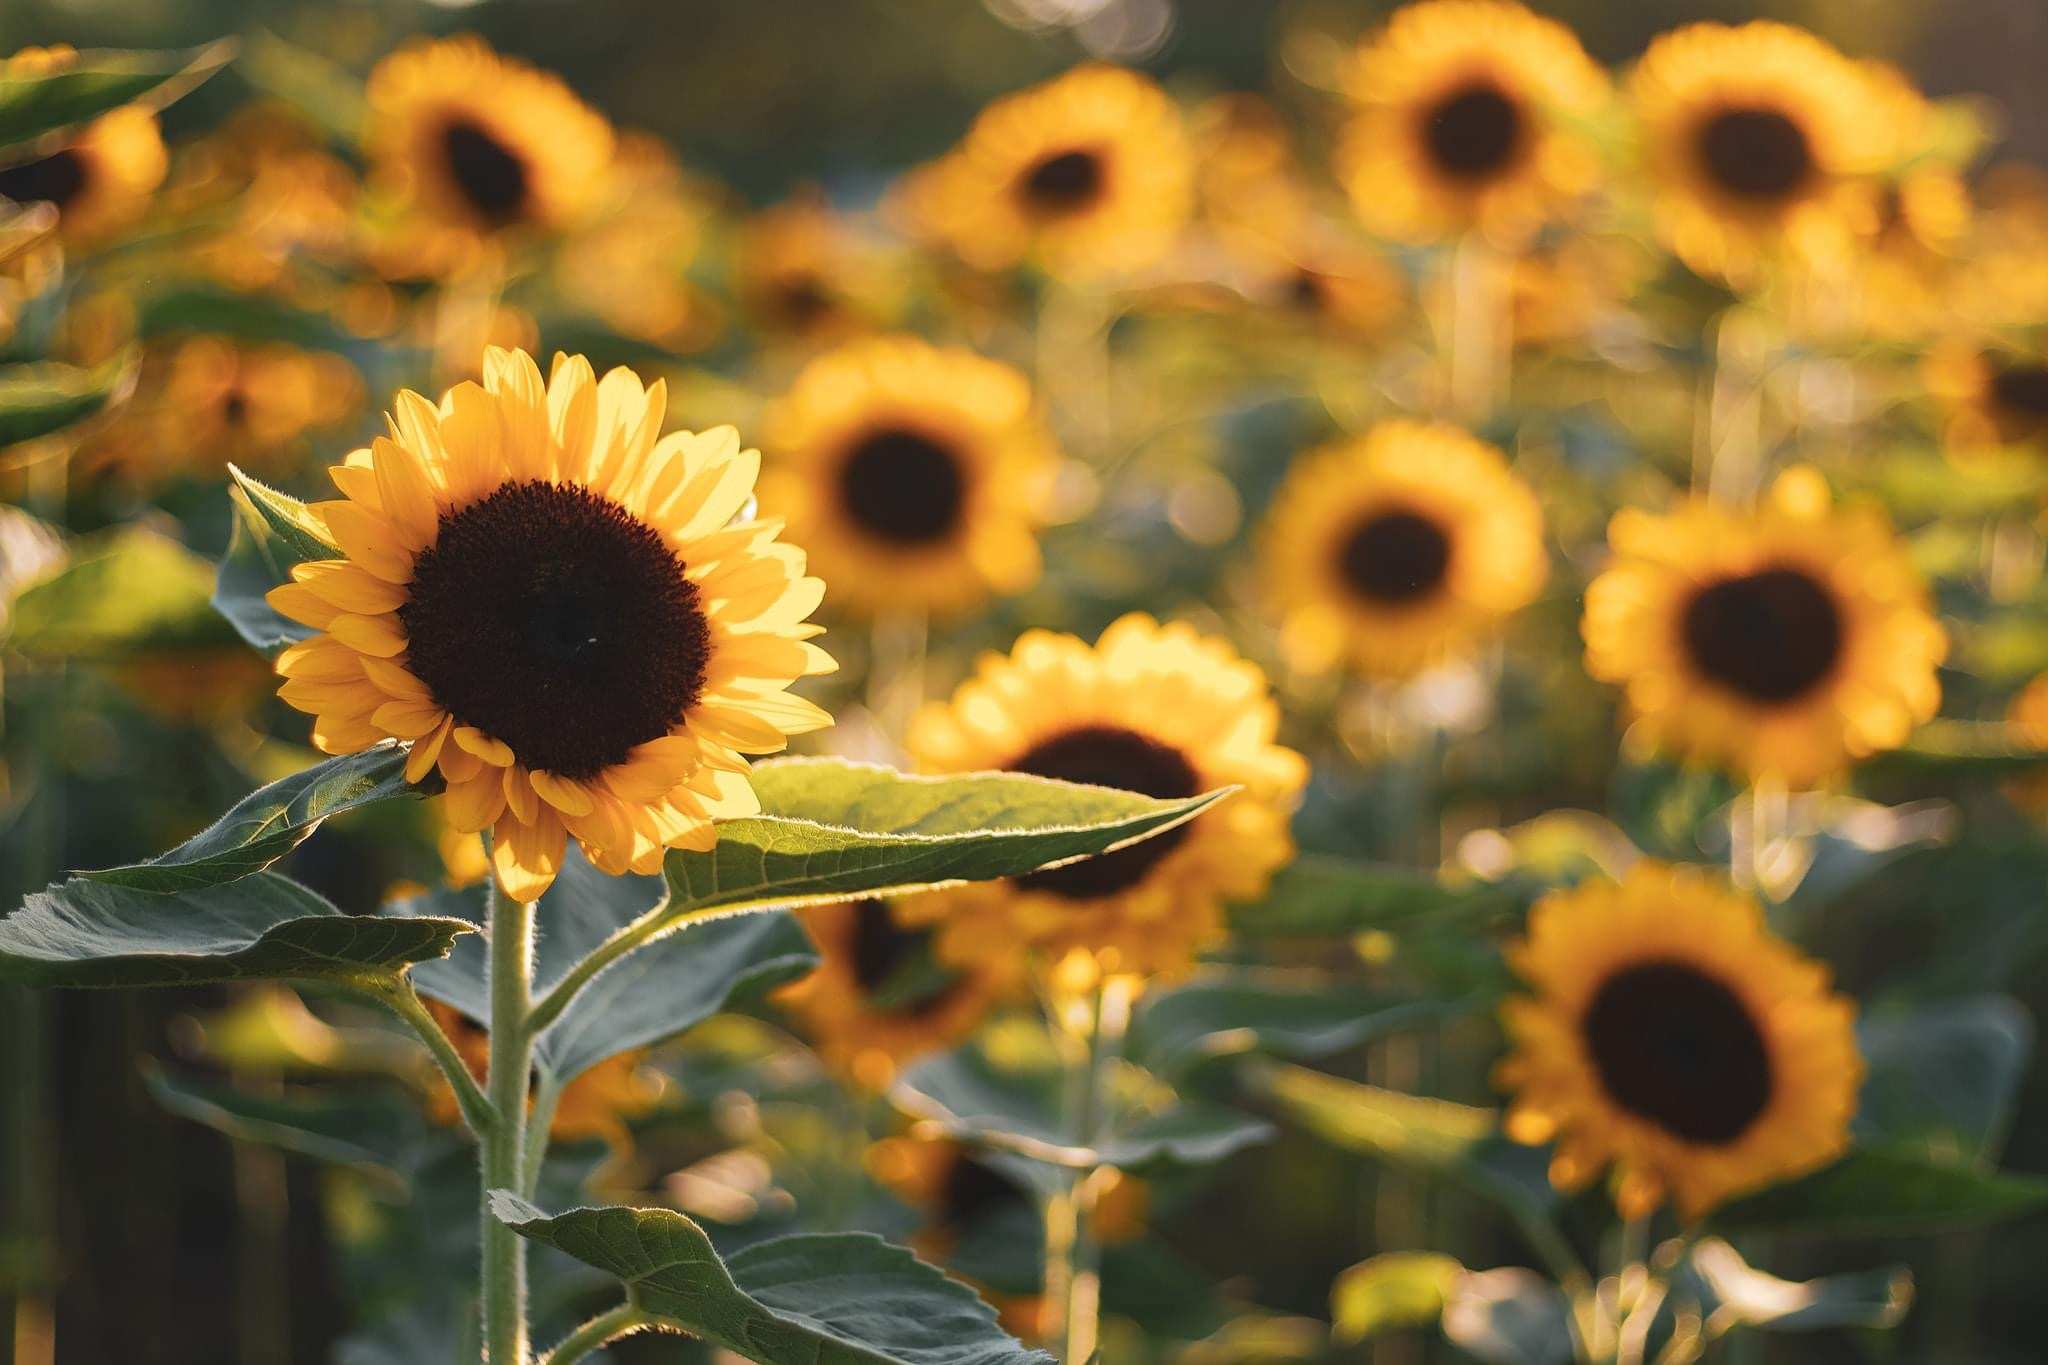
point(1472, 114)
point(101, 179)
point(1088, 174)
point(799, 272)
point(1787, 642)
point(1670, 1035)
point(915, 474)
point(544, 596)
point(878, 998)
point(223, 401)
point(1148, 708)
point(1759, 137)
point(268, 173)
point(1249, 185)
point(954, 1189)
point(1565, 290)
point(1399, 549)
point(1995, 396)
point(473, 144)
point(596, 1104)
point(629, 265)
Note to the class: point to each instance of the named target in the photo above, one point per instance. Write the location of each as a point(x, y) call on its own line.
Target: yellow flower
point(868, 1007)
point(551, 602)
point(1759, 139)
point(473, 144)
point(223, 401)
point(1995, 396)
point(915, 474)
point(101, 180)
point(1472, 114)
point(594, 1105)
point(1088, 174)
point(1147, 708)
point(1249, 184)
point(1668, 1034)
point(799, 271)
point(1400, 549)
point(1787, 642)
point(283, 195)
point(629, 264)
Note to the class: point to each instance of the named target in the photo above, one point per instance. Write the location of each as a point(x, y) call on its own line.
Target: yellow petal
point(563, 794)
point(420, 761)
point(526, 857)
point(378, 635)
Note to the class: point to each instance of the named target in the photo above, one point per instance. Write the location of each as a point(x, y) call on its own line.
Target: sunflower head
point(1148, 708)
point(248, 403)
point(1400, 549)
point(1087, 174)
point(916, 474)
point(1470, 114)
point(1669, 1035)
point(101, 180)
point(554, 605)
point(1995, 396)
point(1787, 642)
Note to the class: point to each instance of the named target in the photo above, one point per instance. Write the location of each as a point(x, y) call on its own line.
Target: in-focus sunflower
point(596, 1104)
point(101, 180)
point(1087, 174)
point(878, 997)
point(1156, 709)
point(1759, 137)
point(915, 474)
point(1471, 114)
point(1399, 549)
point(1668, 1034)
point(1787, 642)
point(1995, 396)
point(551, 602)
point(475, 144)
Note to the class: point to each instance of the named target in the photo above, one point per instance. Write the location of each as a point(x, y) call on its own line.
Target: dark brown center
point(1677, 1047)
point(1063, 183)
point(1394, 557)
point(551, 618)
point(1771, 636)
point(54, 179)
point(801, 301)
point(902, 486)
point(2019, 390)
point(1110, 756)
point(879, 946)
point(1755, 154)
point(973, 1190)
point(1474, 132)
point(492, 177)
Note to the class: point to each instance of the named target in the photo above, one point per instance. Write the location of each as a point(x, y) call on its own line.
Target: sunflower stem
point(504, 1148)
point(1481, 330)
point(540, 1121)
point(1092, 1028)
point(605, 1327)
point(401, 999)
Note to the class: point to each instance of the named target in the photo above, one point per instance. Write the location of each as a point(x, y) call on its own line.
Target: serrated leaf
point(300, 535)
point(1879, 1192)
point(88, 933)
point(1322, 895)
point(45, 397)
point(268, 823)
point(1727, 1284)
point(33, 106)
point(124, 591)
point(1230, 1012)
point(1394, 1290)
point(817, 1299)
point(652, 994)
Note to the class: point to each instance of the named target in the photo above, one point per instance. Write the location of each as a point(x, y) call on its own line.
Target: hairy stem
point(403, 1001)
point(504, 1148)
point(605, 1327)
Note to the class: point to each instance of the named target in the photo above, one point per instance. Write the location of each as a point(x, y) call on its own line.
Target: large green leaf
point(1225, 1013)
point(1879, 1191)
point(44, 397)
point(649, 995)
point(89, 933)
point(832, 1299)
point(32, 106)
point(268, 823)
point(124, 591)
point(1321, 895)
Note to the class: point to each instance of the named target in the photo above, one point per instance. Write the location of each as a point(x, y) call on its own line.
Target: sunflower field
point(1023, 682)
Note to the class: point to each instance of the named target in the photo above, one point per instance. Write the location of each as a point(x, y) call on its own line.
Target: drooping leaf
point(123, 591)
point(1724, 1282)
point(365, 1127)
point(46, 396)
point(1880, 1192)
point(1943, 1077)
point(91, 933)
point(300, 535)
point(1223, 1013)
point(268, 823)
point(34, 105)
point(1393, 1290)
point(817, 1299)
point(1321, 896)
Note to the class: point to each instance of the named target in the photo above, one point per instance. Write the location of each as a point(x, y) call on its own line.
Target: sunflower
point(596, 1104)
point(877, 998)
point(1148, 708)
point(1759, 137)
point(473, 144)
point(283, 195)
point(1995, 396)
point(1670, 1035)
point(101, 179)
point(1785, 642)
point(799, 271)
point(1471, 115)
point(1249, 186)
point(954, 1189)
point(250, 404)
point(629, 264)
point(1399, 549)
point(916, 474)
point(1088, 174)
point(543, 595)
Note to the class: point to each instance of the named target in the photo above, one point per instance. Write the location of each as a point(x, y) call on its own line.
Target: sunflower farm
point(1382, 701)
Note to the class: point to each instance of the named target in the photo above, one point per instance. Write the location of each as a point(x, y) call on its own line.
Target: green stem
point(647, 928)
point(1073, 1265)
point(403, 1001)
point(504, 1148)
point(547, 1093)
point(605, 1327)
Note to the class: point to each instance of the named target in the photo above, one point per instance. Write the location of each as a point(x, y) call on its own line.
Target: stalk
point(504, 1145)
point(1093, 1029)
point(1481, 330)
point(605, 1327)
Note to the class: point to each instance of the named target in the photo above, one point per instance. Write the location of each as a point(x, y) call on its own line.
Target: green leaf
point(250, 317)
point(33, 106)
point(300, 535)
point(652, 994)
point(832, 830)
point(1880, 1192)
point(367, 1128)
point(1951, 750)
point(1296, 1014)
point(123, 592)
point(1725, 1283)
point(1943, 1078)
point(250, 570)
point(326, 93)
point(88, 933)
point(1321, 896)
point(819, 1299)
point(44, 397)
point(268, 823)
point(1397, 1289)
